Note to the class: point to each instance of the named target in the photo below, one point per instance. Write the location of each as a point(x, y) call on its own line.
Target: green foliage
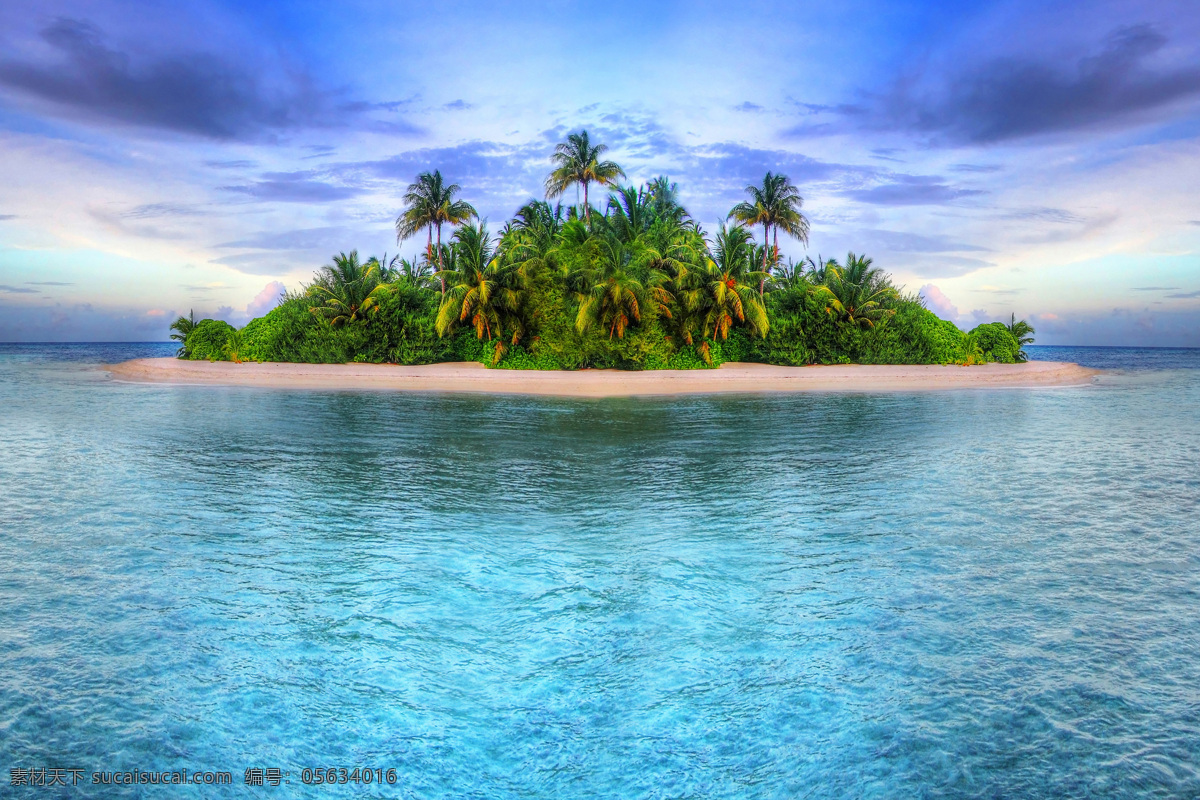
point(182, 327)
point(1023, 332)
point(996, 343)
point(635, 286)
point(206, 341)
point(400, 331)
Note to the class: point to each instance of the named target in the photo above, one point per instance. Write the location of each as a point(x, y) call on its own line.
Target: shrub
point(207, 340)
point(996, 343)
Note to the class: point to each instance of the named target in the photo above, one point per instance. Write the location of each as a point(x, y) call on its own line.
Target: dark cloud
point(4, 217)
point(911, 190)
point(458, 105)
point(975, 168)
point(748, 107)
point(48, 283)
point(1184, 295)
point(1155, 288)
point(16, 290)
point(1014, 97)
point(193, 93)
point(294, 187)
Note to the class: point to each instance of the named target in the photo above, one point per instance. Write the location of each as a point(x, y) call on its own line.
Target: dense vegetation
point(636, 284)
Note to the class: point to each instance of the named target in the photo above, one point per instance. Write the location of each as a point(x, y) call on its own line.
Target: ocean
point(947, 594)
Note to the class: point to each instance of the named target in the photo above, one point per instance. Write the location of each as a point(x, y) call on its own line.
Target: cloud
point(907, 242)
point(1044, 215)
point(1184, 295)
point(4, 217)
point(457, 105)
point(293, 187)
point(911, 190)
point(16, 290)
point(265, 300)
point(937, 302)
point(302, 239)
point(48, 283)
point(150, 210)
point(236, 164)
point(1018, 97)
point(1120, 327)
point(748, 107)
point(996, 290)
point(193, 93)
point(82, 322)
point(945, 266)
point(980, 168)
point(1155, 288)
point(742, 164)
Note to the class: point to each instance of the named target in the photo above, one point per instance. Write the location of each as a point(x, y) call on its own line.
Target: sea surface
point(989, 593)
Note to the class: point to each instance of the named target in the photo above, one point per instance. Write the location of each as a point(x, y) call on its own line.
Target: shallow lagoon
point(948, 594)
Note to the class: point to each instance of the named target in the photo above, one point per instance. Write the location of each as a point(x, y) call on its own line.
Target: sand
point(729, 378)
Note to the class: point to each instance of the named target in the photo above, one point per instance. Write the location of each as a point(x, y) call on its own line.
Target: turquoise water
point(992, 593)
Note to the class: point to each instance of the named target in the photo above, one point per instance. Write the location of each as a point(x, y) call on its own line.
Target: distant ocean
point(949, 594)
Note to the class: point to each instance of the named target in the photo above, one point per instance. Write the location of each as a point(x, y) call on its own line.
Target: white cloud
point(265, 300)
point(937, 302)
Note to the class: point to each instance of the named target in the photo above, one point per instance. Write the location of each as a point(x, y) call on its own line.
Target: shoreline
point(474, 378)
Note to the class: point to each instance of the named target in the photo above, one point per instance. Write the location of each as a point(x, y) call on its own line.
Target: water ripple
point(938, 595)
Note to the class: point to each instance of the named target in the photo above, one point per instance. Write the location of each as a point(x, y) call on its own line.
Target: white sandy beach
point(729, 378)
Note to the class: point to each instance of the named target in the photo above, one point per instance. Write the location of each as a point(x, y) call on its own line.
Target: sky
point(1029, 158)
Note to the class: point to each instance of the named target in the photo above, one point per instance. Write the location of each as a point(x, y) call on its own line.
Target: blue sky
point(999, 157)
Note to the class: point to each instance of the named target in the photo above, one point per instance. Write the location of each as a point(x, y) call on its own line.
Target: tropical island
point(637, 285)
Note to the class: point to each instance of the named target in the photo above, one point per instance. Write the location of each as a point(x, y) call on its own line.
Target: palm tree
point(1023, 332)
point(819, 269)
point(775, 205)
point(347, 291)
point(182, 327)
point(615, 302)
point(417, 272)
point(429, 203)
point(665, 197)
point(530, 237)
point(728, 300)
point(389, 269)
point(577, 163)
point(856, 293)
point(630, 212)
point(484, 291)
point(714, 295)
point(734, 252)
point(615, 291)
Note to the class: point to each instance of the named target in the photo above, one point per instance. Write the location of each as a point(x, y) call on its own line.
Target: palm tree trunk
point(587, 209)
point(440, 272)
point(762, 285)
